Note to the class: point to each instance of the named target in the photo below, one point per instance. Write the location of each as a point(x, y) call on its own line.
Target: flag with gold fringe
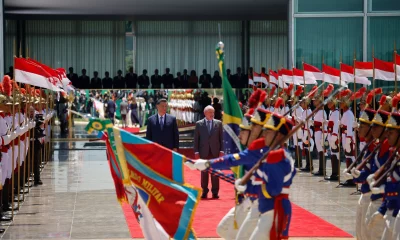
point(153, 175)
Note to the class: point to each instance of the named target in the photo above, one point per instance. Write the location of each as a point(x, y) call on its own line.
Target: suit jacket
point(156, 81)
point(84, 82)
point(95, 83)
point(168, 80)
point(107, 83)
point(205, 81)
point(168, 137)
point(205, 143)
point(118, 83)
point(111, 107)
point(131, 80)
point(143, 81)
point(123, 107)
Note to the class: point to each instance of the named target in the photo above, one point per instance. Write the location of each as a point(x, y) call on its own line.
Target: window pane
point(128, 52)
point(385, 5)
point(383, 32)
point(304, 6)
point(328, 38)
point(128, 26)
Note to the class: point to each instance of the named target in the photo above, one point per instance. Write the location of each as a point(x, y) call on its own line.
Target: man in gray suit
point(207, 145)
point(123, 108)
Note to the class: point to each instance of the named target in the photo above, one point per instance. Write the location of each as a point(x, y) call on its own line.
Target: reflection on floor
point(77, 200)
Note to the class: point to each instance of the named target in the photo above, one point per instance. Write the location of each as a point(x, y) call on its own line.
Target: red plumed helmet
point(358, 94)
point(279, 102)
point(1, 88)
point(37, 92)
point(7, 85)
point(395, 101)
point(289, 89)
point(362, 90)
point(263, 96)
point(255, 98)
point(345, 93)
point(313, 92)
point(299, 91)
point(328, 90)
point(271, 93)
point(23, 91)
point(251, 111)
point(370, 96)
point(377, 91)
point(383, 100)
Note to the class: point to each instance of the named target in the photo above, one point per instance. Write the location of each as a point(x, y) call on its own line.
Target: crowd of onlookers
point(131, 80)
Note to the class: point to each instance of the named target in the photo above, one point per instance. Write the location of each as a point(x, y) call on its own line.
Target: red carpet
point(210, 212)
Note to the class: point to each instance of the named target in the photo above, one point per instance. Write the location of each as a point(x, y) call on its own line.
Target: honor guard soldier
point(333, 138)
point(308, 141)
point(277, 172)
point(360, 176)
point(320, 128)
point(297, 113)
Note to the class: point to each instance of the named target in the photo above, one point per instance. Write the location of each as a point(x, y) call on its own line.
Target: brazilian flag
point(232, 113)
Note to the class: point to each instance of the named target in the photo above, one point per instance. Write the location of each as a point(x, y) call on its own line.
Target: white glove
point(348, 176)
point(332, 141)
point(190, 165)
point(240, 188)
point(21, 131)
point(348, 145)
point(355, 173)
point(6, 139)
point(201, 164)
point(376, 217)
point(18, 131)
point(370, 179)
point(355, 125)
point(378, 190)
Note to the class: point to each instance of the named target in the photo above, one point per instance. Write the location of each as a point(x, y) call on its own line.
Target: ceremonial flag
point(332, 75)
point(157, 175)
point(251, 80)
point(281, 82)
point(233, 115)
point(384, 70)
point(273, 77)
point(364, 69)
point(298, 76)
point(262, 78)
point(30, 73)
point(397, 62)
point(53, 75)
point(67, 84)
point(311, 74)
point(287, 75)
point(129, 194)
point(347, 74)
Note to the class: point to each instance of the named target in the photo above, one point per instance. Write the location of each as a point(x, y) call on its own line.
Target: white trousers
point(362, 207)
point(249, 223)
point(319, 141)
point(264, 225)
point(389, 225)
point(396, 228)
point(226, 228)
point(375, 231)
point(5, 160)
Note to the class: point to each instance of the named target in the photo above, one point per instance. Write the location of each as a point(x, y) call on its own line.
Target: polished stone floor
point(77, 199)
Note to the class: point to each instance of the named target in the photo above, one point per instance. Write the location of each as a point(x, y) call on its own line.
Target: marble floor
point(77, 199)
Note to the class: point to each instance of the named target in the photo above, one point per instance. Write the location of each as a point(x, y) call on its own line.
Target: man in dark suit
point(156, 80)
point(107, 81)
point(131, 79)
point(119, 81)
point(205, 79)
point(207, 145)
point(185, 79)
point(110, 109)
point(73, 77)
point(239, 79)
point(216, 80)
point(162, 127)
point(84, 81)
point(95, 82)
point(230, 78)
point(178, 80)
point(167, 79)
point(143, 80)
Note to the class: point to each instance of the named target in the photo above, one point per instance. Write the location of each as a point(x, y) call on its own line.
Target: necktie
point(161, 123)
point(209, 126)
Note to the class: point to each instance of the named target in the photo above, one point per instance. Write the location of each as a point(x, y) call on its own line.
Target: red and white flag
point(312, 74)
point(273, 77)
point(347, 74)
point(251, 81)
point(67, 84)
point(30, 73)
point(364, 69)
point(384, 70)
point(298, 76)
point(52, 75)
point(332, 75)
point(286, 74)
point(397, 63)
point(260, 78)
point(281, 82)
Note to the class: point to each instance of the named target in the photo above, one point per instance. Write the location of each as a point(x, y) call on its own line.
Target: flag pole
point(354, 104)
point(340, 119)
point(19, 137)
point(373, 75)
point(306, 124)
point(395, 68)
point(323, 123)
point(13, 144)
point(297, 135)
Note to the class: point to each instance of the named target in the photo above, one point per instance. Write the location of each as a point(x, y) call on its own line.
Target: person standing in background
point(107, 81)
point(143, 80)
point(156, 80)
point(131, 79)
point(216, 80)
point(193, 80)
point(207, 145)
point(123, 108)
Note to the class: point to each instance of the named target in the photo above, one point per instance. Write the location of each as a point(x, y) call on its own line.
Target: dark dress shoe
point(38, 183)
point(5, 218)
point(215, 196)
point(348, 183)
point(319, 173)
point(2, 230)
point(203, 196)
point(332, 178)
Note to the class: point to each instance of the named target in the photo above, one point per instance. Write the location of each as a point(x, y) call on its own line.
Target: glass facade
point(335, 30)
point(315, 6)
